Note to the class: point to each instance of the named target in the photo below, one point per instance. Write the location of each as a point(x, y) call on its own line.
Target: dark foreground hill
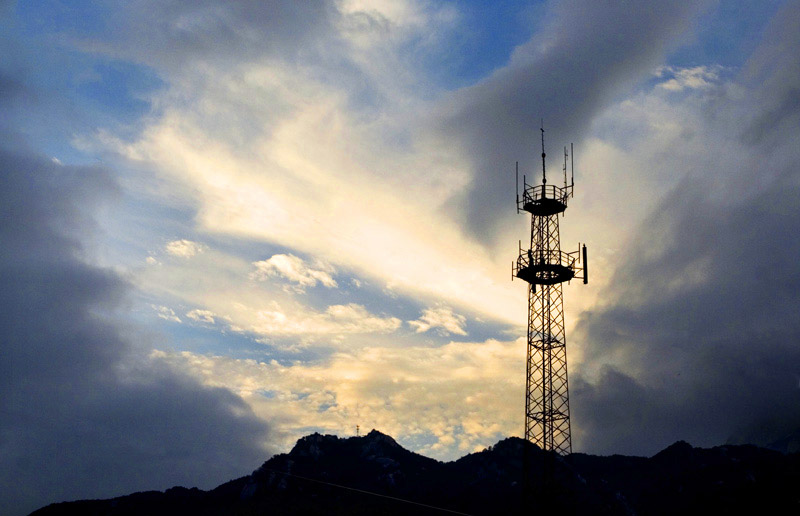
point(372, 474)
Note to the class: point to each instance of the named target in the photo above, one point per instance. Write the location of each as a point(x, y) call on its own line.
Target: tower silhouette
point(546, 267)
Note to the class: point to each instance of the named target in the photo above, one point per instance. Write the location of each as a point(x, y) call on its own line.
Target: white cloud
point(219, 284)
point(294, 269)
point(441, 318)
point(184, 248)
point(694, 78)
point(354, 318)
point(166, 313)
point(150, 260)
point(206, 316)
point(335, 320)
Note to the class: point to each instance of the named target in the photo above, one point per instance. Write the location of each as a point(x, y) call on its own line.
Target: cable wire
point(368, 492)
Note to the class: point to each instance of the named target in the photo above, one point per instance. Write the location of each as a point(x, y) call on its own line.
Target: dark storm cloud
point(779, 97)
point(179, 33)
point(10, 88)
point(700, 327)
point(84, 412)
point(564, 75)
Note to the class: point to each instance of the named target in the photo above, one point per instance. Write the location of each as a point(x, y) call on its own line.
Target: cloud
point(573, 69)
point(206, 316)
point(335, 320)
point(294, 269)
point(387, 187)
point(221, 286)
point(441, 318)
point(166, 313)
point(696, 77)
point(184, 248)
point(441, 401)
point(370, 196)
point(85, 413)
point(168, 34)
point(695, 337)
point(355, 318)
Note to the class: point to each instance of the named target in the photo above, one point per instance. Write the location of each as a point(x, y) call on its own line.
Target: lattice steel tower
point(546, 267)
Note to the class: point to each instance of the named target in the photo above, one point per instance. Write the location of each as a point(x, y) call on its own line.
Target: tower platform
point(546, 267)
point(544, 200)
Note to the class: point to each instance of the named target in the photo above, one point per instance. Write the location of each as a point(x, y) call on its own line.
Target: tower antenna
point(565, 166)
point(572, 165)
point(516, 189)
point(544, 174)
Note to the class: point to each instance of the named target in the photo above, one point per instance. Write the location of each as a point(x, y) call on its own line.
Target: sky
point(226, 225)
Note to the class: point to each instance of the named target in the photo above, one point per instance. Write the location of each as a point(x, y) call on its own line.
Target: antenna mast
point(516, 189)
point(544, 173)
point(572, 165)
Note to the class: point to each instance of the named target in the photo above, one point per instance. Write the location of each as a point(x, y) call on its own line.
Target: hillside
point(324, 474)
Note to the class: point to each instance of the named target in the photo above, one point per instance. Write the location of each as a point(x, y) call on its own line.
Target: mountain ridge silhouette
point(373, 474)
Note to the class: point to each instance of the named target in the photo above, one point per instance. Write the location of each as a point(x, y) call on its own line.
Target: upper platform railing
point(544, 200)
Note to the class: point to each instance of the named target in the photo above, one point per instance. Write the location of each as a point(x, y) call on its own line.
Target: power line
point(367, 492)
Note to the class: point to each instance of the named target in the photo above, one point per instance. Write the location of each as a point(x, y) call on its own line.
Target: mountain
point(324, 474)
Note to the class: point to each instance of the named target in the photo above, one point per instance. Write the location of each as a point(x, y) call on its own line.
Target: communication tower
point(546, 267)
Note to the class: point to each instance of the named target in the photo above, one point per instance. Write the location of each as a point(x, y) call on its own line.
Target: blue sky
point(300, 216)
